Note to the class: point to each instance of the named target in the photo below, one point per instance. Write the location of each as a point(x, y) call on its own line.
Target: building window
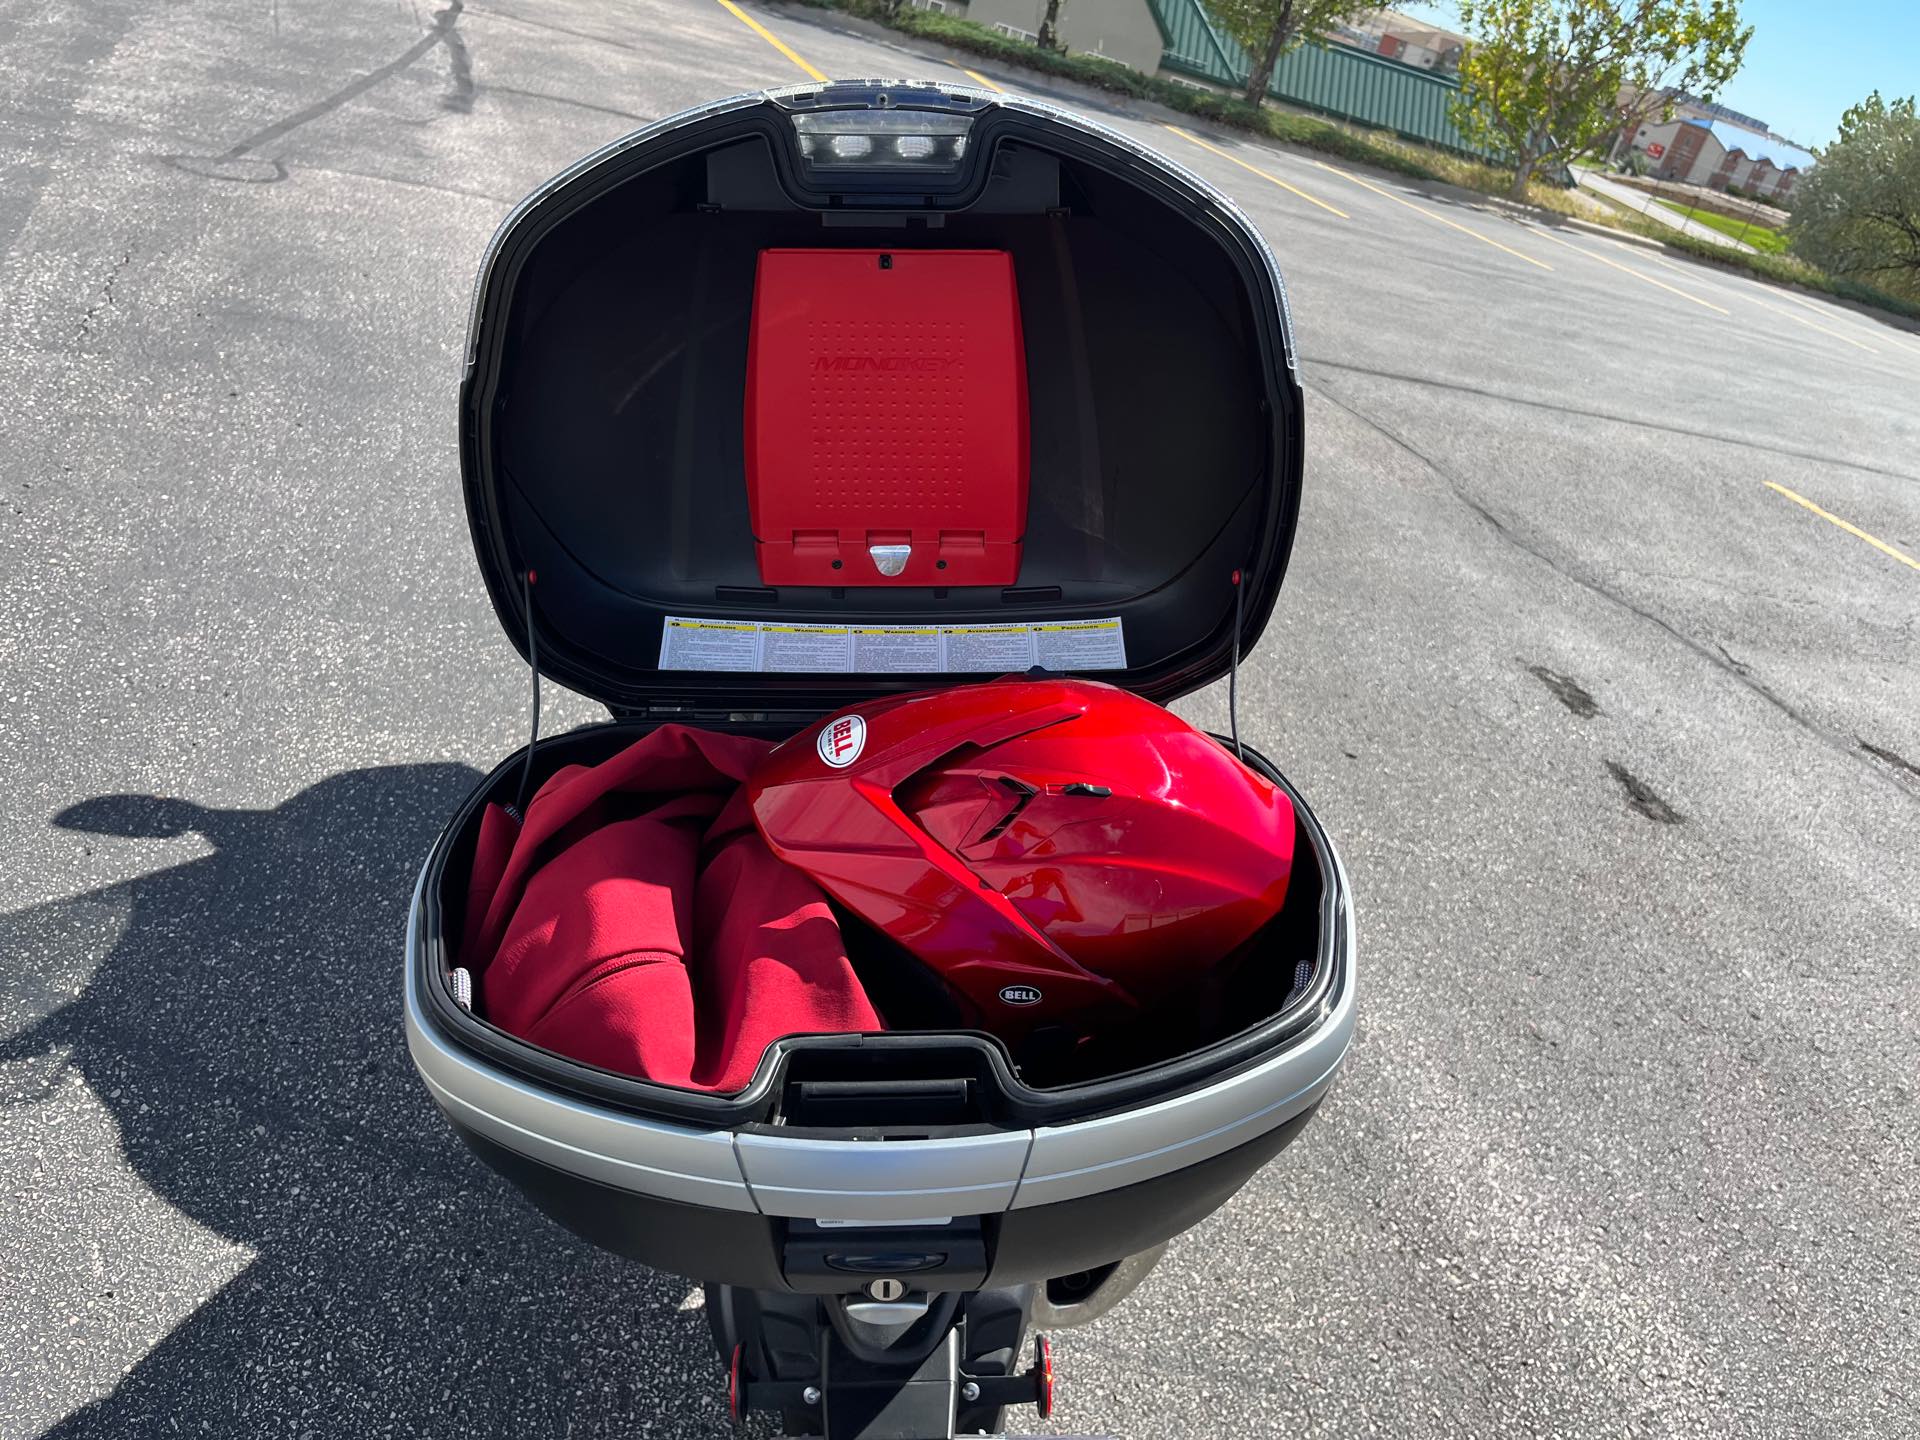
point(1016, 32)
point(939, 7)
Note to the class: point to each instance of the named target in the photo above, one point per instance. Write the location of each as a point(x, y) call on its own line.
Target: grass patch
point(1361, 145)
point(1762, 237)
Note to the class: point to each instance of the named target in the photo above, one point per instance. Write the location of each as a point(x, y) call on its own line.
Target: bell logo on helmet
point(1020, 995)
point(841, 742)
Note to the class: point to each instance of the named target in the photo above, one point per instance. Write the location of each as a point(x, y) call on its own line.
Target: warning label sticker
point(710, 645)
point(901, 649)
point(692, 643)
point(816, 648)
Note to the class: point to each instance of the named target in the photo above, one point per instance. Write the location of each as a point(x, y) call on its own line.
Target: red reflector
point(1043, 1401)
point(886, 423)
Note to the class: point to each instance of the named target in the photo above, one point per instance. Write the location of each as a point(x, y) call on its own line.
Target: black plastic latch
point(837, 1259)
point(862, 1104)
point(890, 1262)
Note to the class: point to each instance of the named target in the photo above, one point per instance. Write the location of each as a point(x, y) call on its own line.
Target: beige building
point(1426, 49)
point(1394, 36)
point(1722, 155)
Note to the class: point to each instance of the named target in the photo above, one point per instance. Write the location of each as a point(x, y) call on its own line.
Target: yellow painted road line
point(1439, 219)
point(772, 39)
point(1764, 304)
point(1899, 338)
point(1883, 333)
point(1906, 342)
point(1854, 530)
point(1275, 179)
point(979, 79)
point(1629, 270)
point(1813, 325)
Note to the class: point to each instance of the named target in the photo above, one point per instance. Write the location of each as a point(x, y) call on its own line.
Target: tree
point(1050, 26)
point(1858, 212)
point(1267, 29)
point(1552, 80)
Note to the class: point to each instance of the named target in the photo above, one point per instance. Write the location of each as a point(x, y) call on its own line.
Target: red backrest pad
point(887, 406)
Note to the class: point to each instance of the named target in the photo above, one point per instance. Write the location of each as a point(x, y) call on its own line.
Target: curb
point(1612, 233)
point(1533, 214)
point(1092, 97)
point(1712, 238)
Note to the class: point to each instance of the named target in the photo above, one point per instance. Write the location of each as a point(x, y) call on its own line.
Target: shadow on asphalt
point(244, 1031)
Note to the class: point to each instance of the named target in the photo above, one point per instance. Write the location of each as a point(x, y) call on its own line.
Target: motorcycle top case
point(1110, 492)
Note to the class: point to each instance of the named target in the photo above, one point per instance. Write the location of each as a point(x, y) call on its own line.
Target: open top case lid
point(603, 412)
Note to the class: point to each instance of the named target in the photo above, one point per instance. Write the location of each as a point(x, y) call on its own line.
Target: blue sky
point(1808, 60)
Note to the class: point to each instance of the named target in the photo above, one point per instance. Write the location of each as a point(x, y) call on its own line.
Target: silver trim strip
point(883, 1179)
point(695, 1167)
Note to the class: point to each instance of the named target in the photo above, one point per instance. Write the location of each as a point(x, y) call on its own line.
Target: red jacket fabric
point(638, 922)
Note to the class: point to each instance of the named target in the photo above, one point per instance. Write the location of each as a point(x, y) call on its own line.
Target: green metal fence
point(1333, 79)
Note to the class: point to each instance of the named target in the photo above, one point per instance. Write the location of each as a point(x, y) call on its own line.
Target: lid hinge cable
point(527, 580)
point(1233, 673)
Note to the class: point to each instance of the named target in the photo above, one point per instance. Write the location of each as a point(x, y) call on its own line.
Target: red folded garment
point(638, 922)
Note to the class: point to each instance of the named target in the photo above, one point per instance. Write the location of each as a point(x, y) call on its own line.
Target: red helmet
point(1056, 850)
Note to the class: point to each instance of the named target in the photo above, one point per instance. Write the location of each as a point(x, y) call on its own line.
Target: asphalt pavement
point(1597, 656)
